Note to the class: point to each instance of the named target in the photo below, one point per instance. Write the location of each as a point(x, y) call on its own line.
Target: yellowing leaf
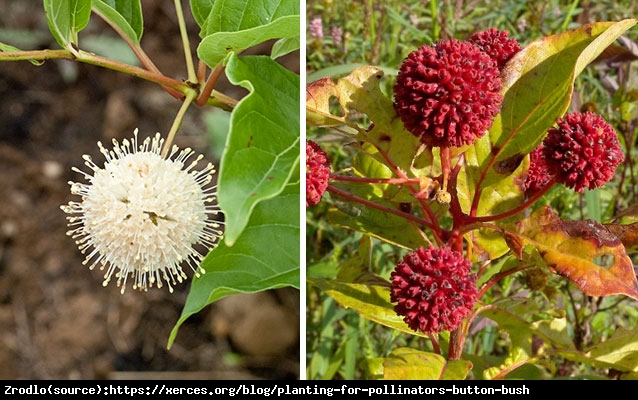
point(406, 363)
point(318, 95)
point(370, 301)
point(574, 249)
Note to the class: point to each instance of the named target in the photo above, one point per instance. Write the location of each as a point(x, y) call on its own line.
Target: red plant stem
point(527, 203)
point(435, 343)
point(210, 85)
point(390, 181)
point(455, 206)
point(434, 224)
point(498, 277)
point(380, 207)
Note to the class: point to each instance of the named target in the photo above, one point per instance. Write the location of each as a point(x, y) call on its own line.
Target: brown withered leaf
point(574, 249)
point(627, 234)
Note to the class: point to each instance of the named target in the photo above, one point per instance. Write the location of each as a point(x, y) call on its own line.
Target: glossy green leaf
point(66, 18)
point(410, 364)
point(214, 48)
point(585, 252)
point(285, 46)
point(265, 256)
point(263, 145)
point(201, 10)
point(126, 15)
point(538, 85)
point(370, 301)
point(244, 15)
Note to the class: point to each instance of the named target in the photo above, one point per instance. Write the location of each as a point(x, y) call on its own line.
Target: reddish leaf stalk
point(526, 204)
point(210, 85)
point(379, 207)
point(389, 181)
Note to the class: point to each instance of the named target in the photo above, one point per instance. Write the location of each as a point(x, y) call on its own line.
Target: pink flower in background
point(316, 28)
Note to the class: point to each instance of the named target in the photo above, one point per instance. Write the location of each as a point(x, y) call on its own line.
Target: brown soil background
point(56, 319)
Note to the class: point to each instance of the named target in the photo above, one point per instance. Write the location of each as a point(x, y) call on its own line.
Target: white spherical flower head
point(143, 215)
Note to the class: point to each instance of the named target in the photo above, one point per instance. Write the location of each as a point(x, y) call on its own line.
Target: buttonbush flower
point(448, 94)
point(538, 174)
point(434, 289)
point(497, 44)
point(141, 215)
point(317, 173)
point(583, 151)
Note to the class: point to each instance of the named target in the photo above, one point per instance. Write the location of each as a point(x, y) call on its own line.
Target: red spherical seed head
point(434, 289)
point(497, 44)
point(448, 94)
point(583, 151)
point(317, 173)
point(538, 175)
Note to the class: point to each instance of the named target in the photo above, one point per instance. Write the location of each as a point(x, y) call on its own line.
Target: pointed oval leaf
point(66, 18)
point(123, 14)
point(262, 148)
point(370, 301)
point(410, 364)
point(241, 15)
point(573, 249)
point(215, 47)
point(538, 85)
point(201, 10)
point(265, 256)
point(285, 46)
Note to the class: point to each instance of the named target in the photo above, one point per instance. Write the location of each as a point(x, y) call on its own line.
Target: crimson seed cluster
point(447, 94)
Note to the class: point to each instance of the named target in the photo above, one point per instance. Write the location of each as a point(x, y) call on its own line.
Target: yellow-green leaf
point(619, 352)
point(411, 364)
point(370, 301)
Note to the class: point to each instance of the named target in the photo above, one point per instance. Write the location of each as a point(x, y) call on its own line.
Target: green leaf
point(585, 252)
point(410, 364)
point(243, 15)
point(66, 18)
point(215, 47)
point(370, 301)
point(265, 256)
point(620, 352)
point(263, 145)
point(538, 85)
point(123, 14)
point(284, 46)
point(9, 48)
point(201, 10)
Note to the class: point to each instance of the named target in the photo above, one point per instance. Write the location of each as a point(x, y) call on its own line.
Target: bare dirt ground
point(56, 319)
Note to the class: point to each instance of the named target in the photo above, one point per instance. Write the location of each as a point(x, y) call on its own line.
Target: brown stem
point(456, 344)
point(139, 53)
point(210, 85)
